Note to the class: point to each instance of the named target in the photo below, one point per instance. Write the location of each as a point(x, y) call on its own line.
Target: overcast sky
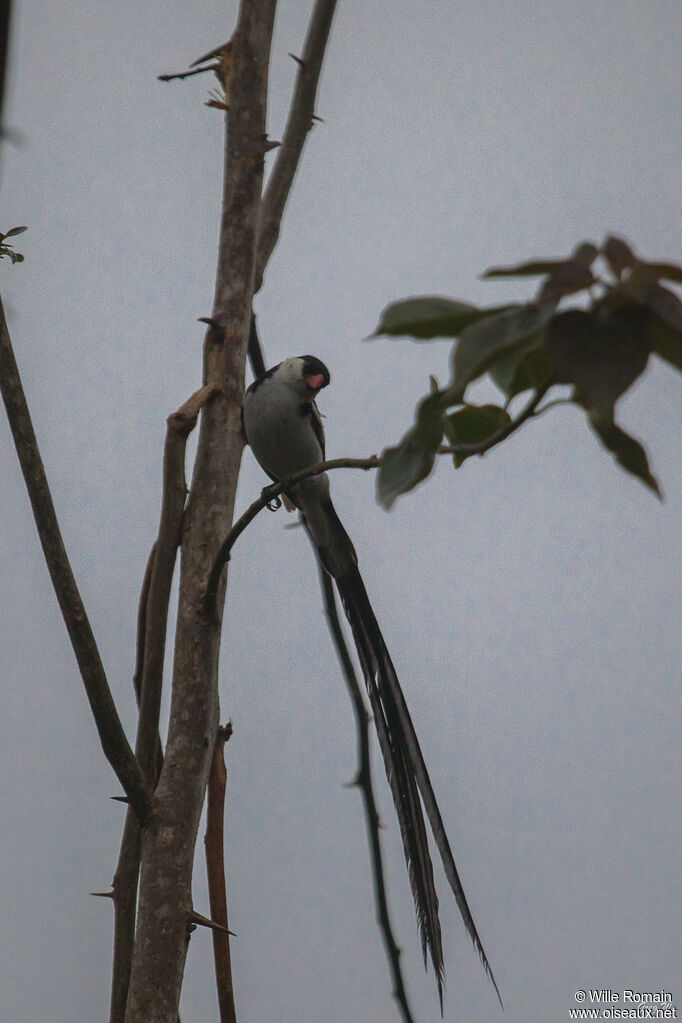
point(530, 601)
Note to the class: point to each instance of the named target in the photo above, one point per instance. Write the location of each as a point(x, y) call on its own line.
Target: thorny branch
point(299, 123)
point(215, 869)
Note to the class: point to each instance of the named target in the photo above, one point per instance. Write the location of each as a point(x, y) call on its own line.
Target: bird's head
point(306, 373)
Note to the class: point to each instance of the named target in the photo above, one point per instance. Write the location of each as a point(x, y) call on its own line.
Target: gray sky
point(530, 602)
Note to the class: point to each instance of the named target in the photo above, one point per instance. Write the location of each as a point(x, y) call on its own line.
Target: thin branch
point(148, 679)
point(125, 904)
point(255, 352)
point(299, 124)
point(215, 869)
point(112, 737)
point(187, 74)
point(269, 496)
point(179, 426)
point(363, 780)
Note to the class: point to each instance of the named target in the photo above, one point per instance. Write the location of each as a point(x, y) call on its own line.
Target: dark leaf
point(583, 255)
point(665, 304)
point(669, 271)
point(16, 257)
point(429, 316)
point(483, 343)
point(404, 466)
point(534, 268)
point(523, 370)
point(15, 230)
point(569, 277)
point(472, 425)
point(618, 254)
point(601, 357)
point(666, 341)
point(628, 452)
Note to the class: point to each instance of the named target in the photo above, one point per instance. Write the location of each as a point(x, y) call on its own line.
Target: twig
point(215, 869)
point(269, 495)
point(298, 125)
point(363, 780)
point(186, 74)
point(112, 737)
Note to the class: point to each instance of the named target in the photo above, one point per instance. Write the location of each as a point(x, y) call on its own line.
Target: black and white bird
point(284, 429)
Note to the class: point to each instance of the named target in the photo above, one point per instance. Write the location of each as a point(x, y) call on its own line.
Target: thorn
point(225, 731)
point(316, 118)
point(103, 895)
point(301, 63)
point(203, 921)
point(120, 799)
point(354, 783)
point(269, 144)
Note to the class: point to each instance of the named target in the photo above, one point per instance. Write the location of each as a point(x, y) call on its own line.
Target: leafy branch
point(6, 249)
point(598, 349)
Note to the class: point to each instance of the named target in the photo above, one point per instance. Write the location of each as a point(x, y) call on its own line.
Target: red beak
point(315, 381)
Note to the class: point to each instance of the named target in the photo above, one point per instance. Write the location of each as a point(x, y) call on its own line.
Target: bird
point(283, 426)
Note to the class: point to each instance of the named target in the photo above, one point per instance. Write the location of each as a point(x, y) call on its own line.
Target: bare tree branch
point(124, 893)
point(165, 900)
point(151, 645)
point(299, 123)
point(363, 780)
point(180, 425)
point(215, 869)
point(269, 496)
point(112, 737)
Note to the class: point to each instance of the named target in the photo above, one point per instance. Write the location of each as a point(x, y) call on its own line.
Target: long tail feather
point(408, 807)
point(403, 760)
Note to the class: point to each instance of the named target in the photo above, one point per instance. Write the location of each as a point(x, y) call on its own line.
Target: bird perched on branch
point(284, 429)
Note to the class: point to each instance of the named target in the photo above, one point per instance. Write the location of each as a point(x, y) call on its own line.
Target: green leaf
point(534, 268)
point(15, 230)
point(583, 255)
point(618, 254)
point(669, 271)
point(601, 357)
point(666, 341)
point(525, 369)
point(429, 316)
point(665, 304)
point(474, 424)
point(483, 343)
point(628, 452)
point(404, 466)
point(571, 276)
